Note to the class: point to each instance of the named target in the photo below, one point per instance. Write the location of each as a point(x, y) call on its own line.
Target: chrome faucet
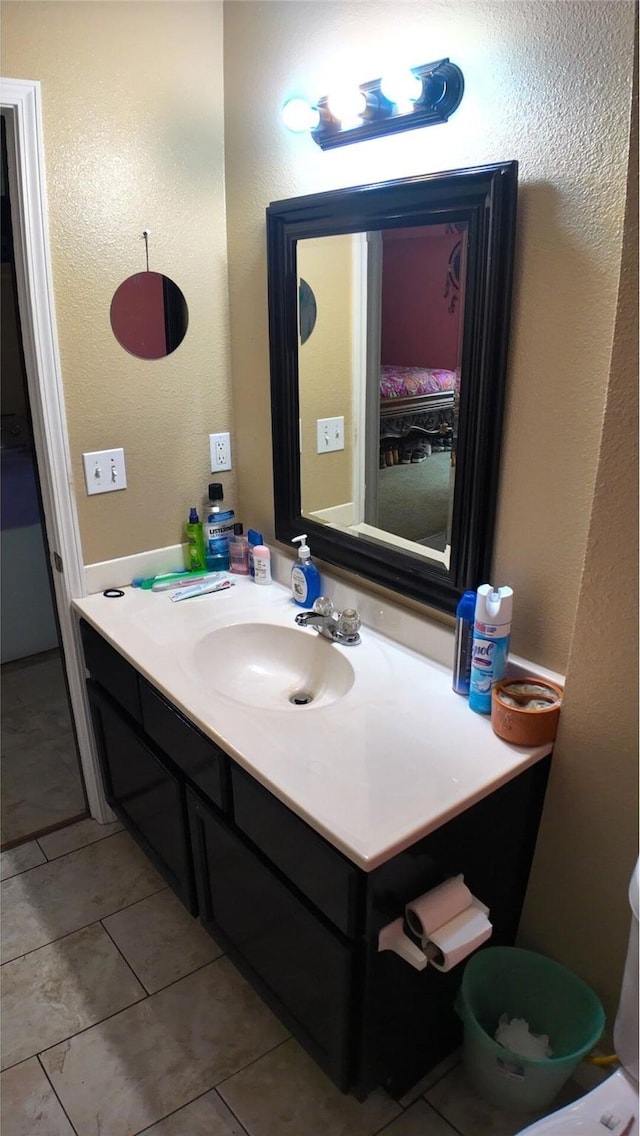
point(338, 626)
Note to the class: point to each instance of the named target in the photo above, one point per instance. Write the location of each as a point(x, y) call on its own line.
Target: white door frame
point(20, 104)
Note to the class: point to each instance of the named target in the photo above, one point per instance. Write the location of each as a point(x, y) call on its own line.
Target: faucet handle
point(349, 622)
point(323, 606)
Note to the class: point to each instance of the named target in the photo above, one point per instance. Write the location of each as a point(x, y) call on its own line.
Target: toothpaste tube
point(200, 590)
point(187, 581)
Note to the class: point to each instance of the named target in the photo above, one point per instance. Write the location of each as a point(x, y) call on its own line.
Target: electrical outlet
point(104, 471)
point(220, 446)
point(330, 434)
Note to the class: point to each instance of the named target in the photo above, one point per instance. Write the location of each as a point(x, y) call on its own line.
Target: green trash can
point(550, 998)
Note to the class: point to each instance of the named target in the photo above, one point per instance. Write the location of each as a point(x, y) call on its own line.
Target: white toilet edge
point(617, 1096)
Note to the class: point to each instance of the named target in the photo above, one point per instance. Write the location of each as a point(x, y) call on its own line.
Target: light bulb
point(401, 87)
point(298, 115)
point(347, 104)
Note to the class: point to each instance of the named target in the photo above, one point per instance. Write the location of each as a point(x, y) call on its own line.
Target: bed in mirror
point(387, 420)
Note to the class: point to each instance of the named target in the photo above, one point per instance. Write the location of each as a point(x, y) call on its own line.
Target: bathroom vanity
point(298, 832)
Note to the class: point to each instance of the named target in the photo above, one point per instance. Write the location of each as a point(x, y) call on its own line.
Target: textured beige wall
point(133, 138)
point(325, 370)
point(588, 843)
point(547, 84)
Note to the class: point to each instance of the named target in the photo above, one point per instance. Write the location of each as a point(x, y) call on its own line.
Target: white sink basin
point(271, 667)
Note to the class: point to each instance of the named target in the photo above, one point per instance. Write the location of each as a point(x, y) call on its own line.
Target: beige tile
point(286, 1094)
point(454, 1099)
point(28, 1104)
point(425, 1083)
point(123, 1075)
point(160, 940)
point(37, 680)
point(61, 896)
point(419, 1120)
point(20, 859)
point(76, 836)
point(53, 992)
point(39, 786)
point(27, 725)
point(42, 783)
point(206, 1116)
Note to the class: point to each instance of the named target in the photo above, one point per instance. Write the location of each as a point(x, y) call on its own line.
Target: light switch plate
point(104, 471)
point(330, 434)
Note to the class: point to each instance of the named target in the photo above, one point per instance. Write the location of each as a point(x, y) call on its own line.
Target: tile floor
point(41, 781)
point(120, 1015)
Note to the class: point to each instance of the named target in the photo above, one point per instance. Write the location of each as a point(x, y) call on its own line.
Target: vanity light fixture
point(402, 100)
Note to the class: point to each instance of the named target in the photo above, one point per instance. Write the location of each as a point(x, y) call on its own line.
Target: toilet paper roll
point(460, 936)
point(436, 907)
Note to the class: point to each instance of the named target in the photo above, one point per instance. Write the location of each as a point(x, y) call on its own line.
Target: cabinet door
point(145, 793)
point(316, 869)
point(108, 668)
point(304, 969)
point(195, 755)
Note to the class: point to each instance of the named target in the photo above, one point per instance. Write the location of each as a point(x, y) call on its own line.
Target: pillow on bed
point(408, 382)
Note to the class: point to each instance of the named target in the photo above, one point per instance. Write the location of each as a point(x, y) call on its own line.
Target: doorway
point(42, 783)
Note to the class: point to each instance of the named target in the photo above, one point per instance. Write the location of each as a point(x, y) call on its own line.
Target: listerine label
point(214, 530)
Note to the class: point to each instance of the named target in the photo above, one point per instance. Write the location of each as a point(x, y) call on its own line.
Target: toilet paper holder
point(448, 923)
point(394, 938)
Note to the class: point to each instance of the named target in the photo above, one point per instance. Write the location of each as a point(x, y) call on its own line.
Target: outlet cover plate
point(220, 448)
point(104, 471)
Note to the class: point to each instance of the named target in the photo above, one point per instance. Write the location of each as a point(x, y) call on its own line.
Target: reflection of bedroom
point(419, 352)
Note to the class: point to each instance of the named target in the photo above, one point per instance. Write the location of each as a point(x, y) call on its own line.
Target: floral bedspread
point(408, 382)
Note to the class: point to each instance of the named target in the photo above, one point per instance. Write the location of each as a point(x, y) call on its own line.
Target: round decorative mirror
point(149, 315)
point(308, 310)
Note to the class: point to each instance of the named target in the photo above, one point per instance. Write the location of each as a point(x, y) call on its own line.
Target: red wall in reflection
point(418, 329)
point(137, 315)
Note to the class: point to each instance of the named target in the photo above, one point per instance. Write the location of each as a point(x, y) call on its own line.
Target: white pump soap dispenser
point(305, 578)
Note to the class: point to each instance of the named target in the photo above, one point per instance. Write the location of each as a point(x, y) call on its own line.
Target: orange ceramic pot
point(526, 711)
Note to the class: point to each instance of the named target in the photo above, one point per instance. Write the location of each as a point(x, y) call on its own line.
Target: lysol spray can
point(491, 630)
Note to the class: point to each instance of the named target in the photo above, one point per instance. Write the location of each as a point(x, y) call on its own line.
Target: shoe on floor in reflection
point(421, 452)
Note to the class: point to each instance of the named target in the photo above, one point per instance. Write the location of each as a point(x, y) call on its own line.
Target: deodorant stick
point(261, 564)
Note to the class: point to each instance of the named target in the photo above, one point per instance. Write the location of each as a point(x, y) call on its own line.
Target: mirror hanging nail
point(149, 315)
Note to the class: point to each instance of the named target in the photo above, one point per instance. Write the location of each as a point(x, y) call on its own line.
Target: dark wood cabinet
point(303, 967)
point(298, 918)
point(309, 862)
point(202, 762)
point(145, 793)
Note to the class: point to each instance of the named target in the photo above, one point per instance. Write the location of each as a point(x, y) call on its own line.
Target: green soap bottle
point(195, 557)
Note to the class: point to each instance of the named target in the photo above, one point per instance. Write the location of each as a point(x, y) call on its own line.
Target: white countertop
point(394, 758)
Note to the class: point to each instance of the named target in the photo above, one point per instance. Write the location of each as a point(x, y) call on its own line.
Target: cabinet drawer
point(326, 877)
point(303, 967)
point(109, 668)
point(194, 754)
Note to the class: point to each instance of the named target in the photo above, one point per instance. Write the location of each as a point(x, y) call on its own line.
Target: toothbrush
point(147, 583)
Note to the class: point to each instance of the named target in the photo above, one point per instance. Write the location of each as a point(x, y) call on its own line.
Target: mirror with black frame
point(387, 419)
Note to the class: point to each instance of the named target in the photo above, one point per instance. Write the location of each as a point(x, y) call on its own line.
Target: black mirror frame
point(485, 198)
